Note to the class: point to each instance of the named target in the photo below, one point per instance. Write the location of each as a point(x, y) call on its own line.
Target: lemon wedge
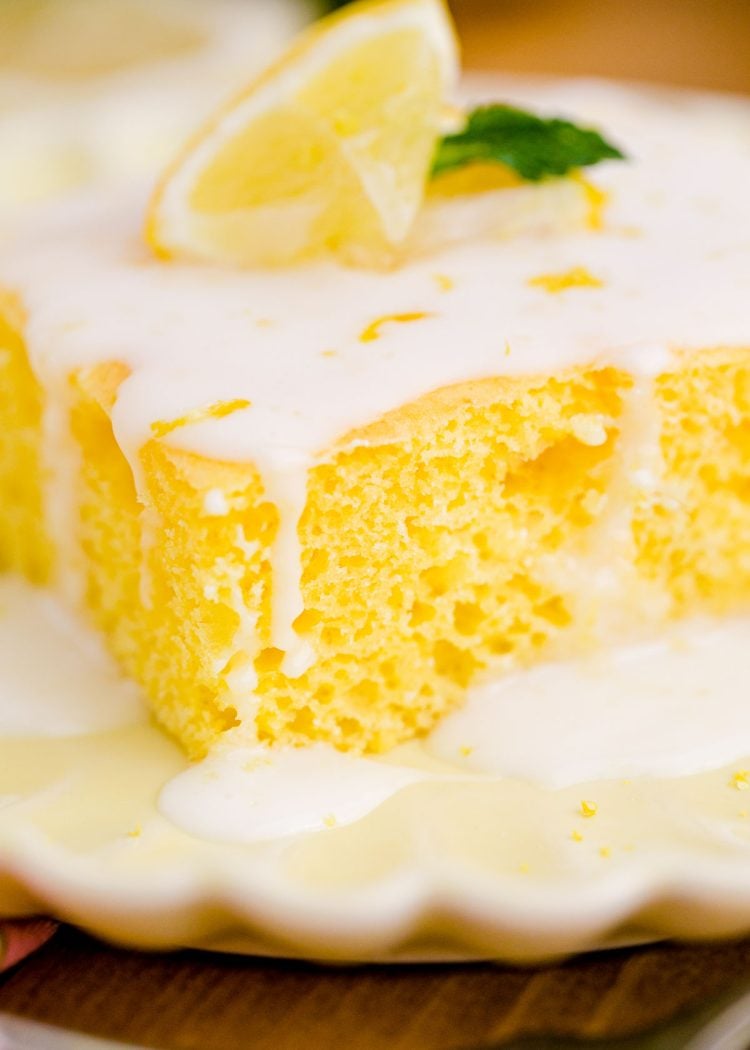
point(329, 151)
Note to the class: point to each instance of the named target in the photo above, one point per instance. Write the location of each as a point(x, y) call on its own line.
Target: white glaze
point(674, 259)
point(56, 680)
point(665, 708)
point(672, 707)
point(248, 794)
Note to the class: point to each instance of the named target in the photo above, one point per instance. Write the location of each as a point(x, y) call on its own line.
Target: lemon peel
point(328, 151)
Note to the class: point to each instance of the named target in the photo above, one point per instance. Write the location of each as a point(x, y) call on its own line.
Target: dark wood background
point(701, 43)
point(190, 1001)
point(194, 1001)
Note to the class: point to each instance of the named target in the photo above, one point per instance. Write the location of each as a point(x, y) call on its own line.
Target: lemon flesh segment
point(329, 151)
point(474, 179)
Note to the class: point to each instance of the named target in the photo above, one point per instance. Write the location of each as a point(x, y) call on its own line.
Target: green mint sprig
point(534, 147)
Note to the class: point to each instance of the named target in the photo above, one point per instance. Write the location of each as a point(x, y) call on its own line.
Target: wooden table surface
point(209, 1002)
point(195, 1001)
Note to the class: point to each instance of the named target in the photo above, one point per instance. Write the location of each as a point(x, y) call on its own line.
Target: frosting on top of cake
point(319, 349)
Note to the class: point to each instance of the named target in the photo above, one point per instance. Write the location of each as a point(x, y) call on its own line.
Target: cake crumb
point(444, 282)
point(588, 809)
point(577, 277)
point(257, 762)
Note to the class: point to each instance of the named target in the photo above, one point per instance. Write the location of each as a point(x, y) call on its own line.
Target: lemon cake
point(310, 501)
point(94, 90)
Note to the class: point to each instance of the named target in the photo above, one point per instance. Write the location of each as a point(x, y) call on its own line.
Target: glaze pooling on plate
point(57, 680)
point(415, 857)
point(671, 707)
point(668, 707)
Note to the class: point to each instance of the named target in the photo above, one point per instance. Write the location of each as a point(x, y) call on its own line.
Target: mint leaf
point(532, 146)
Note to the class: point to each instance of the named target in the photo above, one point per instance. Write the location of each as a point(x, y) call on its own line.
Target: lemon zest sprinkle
point(218, 410)
point(588, 809)
point(597, 200)
point(373, 331)
point(741, 780)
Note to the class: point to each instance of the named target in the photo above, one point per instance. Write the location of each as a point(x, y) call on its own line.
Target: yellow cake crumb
point(578, 277)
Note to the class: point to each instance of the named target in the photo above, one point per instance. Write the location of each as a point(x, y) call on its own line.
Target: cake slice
point(317, 503)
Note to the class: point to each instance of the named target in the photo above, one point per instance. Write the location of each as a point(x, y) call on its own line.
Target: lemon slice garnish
point(329, 150)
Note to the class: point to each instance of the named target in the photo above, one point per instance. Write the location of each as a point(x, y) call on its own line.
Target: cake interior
point(485, 526)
